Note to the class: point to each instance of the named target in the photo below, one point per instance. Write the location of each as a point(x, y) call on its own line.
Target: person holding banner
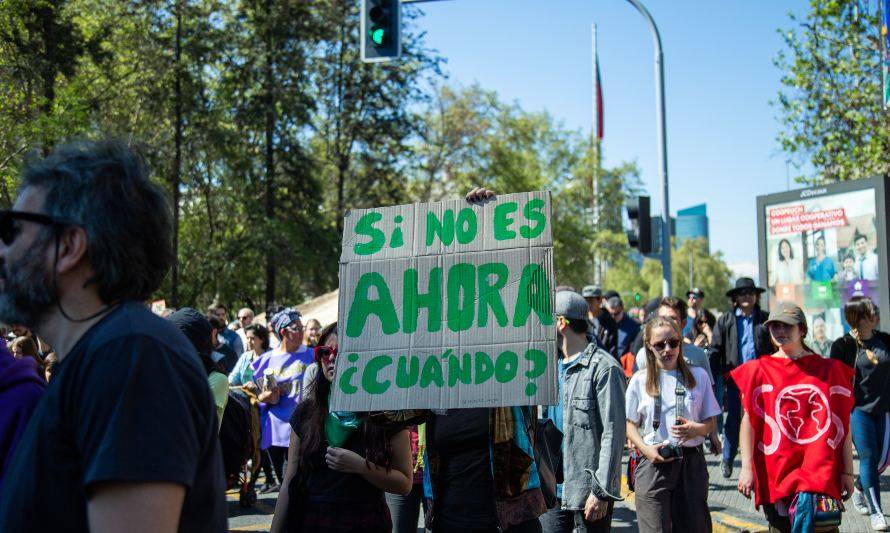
point(670, 411)
point(797, 453)
point(339, 465)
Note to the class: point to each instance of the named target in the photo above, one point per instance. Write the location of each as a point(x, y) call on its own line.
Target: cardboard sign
point(447, 305)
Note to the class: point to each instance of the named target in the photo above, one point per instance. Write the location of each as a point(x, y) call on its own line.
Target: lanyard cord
point(679, 395)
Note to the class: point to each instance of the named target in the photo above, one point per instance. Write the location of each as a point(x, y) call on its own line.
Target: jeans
point(733, 422)
point(405, 510)
point(719, 391)
point(558, 520)
point(870, 436)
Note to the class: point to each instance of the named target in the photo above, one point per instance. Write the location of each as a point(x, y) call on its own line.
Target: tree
point(709, 273)
point(831, 106)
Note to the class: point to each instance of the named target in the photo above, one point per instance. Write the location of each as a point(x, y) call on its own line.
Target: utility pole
point(662, 150)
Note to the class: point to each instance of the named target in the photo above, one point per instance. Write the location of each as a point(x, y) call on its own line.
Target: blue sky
point(719, 74)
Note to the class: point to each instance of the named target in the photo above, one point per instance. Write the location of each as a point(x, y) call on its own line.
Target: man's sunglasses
point(9, 230)
point(660, 346)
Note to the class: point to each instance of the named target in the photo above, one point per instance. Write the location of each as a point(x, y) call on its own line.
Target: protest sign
point(447, 305)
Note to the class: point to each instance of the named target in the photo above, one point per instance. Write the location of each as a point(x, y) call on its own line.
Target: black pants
point(558, 520)
point(405, 510)
point(278, 456)
point(266, 464)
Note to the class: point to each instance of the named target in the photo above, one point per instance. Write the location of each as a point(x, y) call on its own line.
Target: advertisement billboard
point(821, 246)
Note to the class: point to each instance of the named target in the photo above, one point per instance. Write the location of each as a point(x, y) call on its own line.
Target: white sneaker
point(879, 523)
point(859, 502)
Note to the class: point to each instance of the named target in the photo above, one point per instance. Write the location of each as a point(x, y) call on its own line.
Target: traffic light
point(640, 234)
point(381, 30)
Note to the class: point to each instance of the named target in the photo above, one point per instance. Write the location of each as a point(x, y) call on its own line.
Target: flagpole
point(594, 144)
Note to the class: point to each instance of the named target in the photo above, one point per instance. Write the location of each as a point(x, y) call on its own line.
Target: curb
point(721, 522)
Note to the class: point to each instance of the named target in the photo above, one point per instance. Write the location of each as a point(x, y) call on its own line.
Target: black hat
point(610, 294)
point(744, 284)
point(195, 327)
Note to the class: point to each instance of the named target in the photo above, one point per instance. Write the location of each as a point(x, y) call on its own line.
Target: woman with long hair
point(313, 330)
point(867, 351)
point(671, 409)
point(787, 269)
point(797, 455)
point(703, 329)
point(339, 465)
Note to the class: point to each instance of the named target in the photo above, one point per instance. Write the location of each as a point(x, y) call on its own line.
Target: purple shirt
point(288, 371)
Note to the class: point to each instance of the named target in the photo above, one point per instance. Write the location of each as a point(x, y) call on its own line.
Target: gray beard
point(27, 294)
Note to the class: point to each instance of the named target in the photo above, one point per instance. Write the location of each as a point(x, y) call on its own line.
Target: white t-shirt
point(699, 404)
point(693, 355)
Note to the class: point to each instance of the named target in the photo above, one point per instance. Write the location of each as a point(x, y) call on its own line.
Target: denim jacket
point(594, 426)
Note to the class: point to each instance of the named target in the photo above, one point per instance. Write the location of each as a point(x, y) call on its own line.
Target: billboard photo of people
point(820, 252)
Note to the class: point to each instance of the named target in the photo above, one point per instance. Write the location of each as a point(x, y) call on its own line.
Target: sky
point(720, 81)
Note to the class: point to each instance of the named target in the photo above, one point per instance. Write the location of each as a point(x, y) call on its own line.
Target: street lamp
point(662, 150)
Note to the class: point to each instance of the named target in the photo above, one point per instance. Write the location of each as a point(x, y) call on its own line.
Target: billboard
point(821, 246)
point(447, 305)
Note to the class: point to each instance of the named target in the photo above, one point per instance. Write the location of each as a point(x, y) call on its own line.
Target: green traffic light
point(378, 35)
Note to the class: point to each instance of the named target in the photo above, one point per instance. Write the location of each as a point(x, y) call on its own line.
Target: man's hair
point(216, 307)
point(103, 187)
point(579, 326)
point(676, 304)
point(858, 236)
point(215, 322)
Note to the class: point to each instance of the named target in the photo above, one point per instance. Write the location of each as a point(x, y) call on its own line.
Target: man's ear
point(561, 323)
point(72, 248)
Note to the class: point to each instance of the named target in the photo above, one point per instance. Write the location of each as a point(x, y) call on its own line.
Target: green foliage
point(831, 107)
point(709, 273)
point(258, 116)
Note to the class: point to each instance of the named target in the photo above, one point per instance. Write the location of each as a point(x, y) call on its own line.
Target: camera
point(671, 450)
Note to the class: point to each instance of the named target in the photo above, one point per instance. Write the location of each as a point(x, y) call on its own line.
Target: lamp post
point(662, 150)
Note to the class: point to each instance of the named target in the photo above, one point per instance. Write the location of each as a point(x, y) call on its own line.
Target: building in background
point(692, 223)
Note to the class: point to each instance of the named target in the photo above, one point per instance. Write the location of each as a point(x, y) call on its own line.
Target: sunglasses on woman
point(670, 343)
point(9, 230)
point(324, 352)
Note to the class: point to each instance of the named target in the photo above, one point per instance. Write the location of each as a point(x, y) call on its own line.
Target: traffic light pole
point(662, 150)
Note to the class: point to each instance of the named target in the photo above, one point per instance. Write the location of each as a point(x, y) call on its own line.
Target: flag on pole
point(598, 94)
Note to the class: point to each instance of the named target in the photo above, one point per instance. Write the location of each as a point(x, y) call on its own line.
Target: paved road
point(730, 512)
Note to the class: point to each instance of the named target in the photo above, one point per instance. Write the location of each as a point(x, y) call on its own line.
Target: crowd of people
point(126, 435)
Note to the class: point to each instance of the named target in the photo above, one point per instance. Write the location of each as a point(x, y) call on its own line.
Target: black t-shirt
point(130, 403)
point(871, 380)
point(330, 486)
point(464, 495)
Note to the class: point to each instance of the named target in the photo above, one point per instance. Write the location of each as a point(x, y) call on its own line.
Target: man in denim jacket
point(591, 416)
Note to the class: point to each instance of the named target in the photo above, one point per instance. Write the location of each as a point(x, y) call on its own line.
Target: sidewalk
point(731, 512)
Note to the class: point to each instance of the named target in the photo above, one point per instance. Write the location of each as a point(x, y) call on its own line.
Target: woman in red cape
point(795, 435)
